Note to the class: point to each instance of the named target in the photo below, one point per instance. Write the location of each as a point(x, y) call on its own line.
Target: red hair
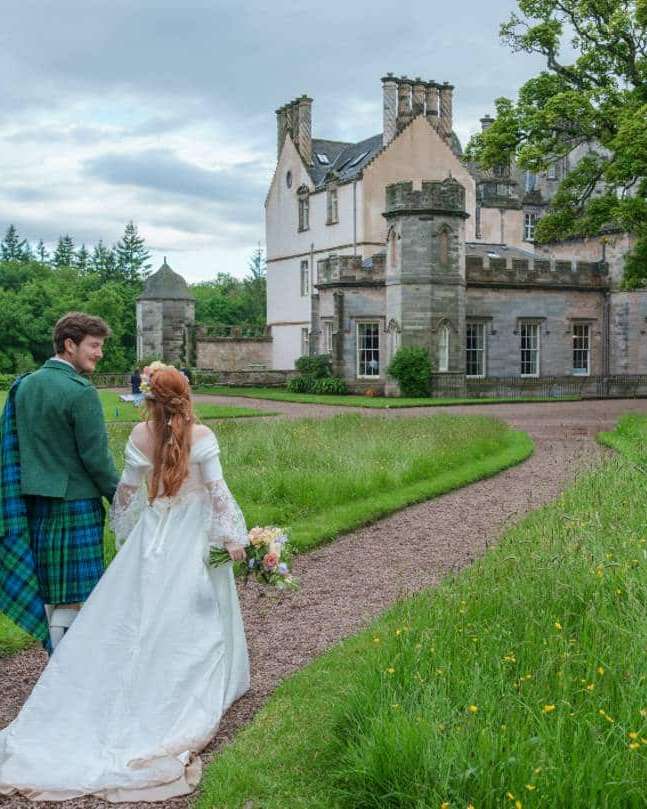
point(171, 413)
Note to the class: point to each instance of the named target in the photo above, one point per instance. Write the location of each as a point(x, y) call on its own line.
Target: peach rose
point(270, 561)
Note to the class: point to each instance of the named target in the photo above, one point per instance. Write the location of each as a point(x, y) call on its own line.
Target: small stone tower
point(165, 313)
point(425, 271)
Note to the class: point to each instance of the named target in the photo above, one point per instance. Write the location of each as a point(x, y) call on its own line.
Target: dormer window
point(304, 208)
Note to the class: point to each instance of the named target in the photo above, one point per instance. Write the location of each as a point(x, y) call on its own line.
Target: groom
point(62, 460)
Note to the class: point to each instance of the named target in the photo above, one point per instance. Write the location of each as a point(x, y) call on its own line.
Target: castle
point(395, 241)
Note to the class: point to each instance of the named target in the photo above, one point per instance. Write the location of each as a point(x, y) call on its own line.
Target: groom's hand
point(236, 551)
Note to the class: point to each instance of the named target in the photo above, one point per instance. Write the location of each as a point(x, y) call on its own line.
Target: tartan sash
point(20, 597)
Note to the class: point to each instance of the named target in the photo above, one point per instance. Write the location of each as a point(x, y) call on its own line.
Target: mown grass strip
point(354, 400)
point(520, 682)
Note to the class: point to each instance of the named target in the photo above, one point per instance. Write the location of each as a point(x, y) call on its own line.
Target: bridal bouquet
point(267, 557)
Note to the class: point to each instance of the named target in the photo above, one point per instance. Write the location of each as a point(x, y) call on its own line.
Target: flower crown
point(147, 375)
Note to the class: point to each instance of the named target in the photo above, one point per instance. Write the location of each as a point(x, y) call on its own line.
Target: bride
point(139, 683)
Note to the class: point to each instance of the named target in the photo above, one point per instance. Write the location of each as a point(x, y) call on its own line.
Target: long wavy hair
point(171, 414)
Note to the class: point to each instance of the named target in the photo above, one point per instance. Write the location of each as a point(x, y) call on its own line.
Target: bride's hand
point(236, 551)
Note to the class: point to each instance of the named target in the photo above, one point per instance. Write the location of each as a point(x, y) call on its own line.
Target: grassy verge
point(629, 438)
point(388, 402)
point(319, 478)
point(520, 682)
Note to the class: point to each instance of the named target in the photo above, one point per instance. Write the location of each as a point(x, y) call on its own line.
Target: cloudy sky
point(162, 111)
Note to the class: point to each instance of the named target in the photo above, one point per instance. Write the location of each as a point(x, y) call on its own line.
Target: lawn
point(283, 395)
point(320, 478)
point(116, 410)
point(520, 682)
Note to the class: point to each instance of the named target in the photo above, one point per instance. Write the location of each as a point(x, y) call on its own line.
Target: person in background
point(135, 381)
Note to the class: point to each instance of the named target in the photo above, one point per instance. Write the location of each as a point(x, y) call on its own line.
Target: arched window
point(303, 195)
point(443, 348)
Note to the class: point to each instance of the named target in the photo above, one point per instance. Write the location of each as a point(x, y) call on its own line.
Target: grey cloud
point(164, 172)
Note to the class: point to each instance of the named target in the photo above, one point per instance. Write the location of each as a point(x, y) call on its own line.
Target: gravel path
point(418, 545)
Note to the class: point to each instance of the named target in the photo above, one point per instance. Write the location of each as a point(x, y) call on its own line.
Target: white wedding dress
point(139, 683)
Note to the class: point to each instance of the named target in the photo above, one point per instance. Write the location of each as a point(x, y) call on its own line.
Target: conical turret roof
point(166, 284)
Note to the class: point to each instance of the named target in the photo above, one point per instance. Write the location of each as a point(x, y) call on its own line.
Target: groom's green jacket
point(62, 436)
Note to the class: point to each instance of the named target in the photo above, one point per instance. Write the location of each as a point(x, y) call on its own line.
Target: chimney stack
point(446, 109)
point(432, 102)
point(418, 97)
point(486, 122)
point(404, 102)
point(304, 128)
point(281, 129)
point(295, 118)
point(389, 108)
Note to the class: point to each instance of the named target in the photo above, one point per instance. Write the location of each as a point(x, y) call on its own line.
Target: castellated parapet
point(447, 196)
point(510, 271)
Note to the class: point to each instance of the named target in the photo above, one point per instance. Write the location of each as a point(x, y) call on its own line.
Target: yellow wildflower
point(509, 796)
point(530, 787)
point(549, 708)
point(558, 626)
point(473, 708)
point(633, 735)
point(444, 805)
point(600, 670)
point(376, 640)
point(643, 713)
point(390, 670)
point(518, 804)
point(634, 746)
point(537, 770)
point(398, 631)
point(590, 687)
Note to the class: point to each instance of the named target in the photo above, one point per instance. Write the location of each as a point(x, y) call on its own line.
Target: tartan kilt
point(67, 544)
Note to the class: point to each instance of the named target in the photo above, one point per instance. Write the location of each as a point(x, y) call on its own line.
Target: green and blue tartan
point(20, 597)
point(67, 545)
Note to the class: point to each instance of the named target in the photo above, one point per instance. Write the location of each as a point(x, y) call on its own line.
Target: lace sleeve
point(227, 523)
point(130, 499)
point(127, 506)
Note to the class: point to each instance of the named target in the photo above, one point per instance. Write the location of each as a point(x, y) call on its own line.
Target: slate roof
point(165, 284)
point(497, 251)
point(343, 157)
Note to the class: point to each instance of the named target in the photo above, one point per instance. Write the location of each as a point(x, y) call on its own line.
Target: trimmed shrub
point(411, 368)
point(6, 381)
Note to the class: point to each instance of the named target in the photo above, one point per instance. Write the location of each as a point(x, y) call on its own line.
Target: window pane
point(368, 349)
point(581, 348)
point(475, 349)
point(529, 349)
point(443, 349)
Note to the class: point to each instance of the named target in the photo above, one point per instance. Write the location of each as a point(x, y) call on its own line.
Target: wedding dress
point(139, 683)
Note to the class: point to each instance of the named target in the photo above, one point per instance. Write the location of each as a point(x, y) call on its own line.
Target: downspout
point(354, 217)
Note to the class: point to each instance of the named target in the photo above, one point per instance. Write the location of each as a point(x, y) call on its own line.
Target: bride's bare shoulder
point(142, 436)
point(200, 431)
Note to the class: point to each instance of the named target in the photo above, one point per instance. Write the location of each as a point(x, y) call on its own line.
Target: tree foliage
point(34, 294)
point(591, 96)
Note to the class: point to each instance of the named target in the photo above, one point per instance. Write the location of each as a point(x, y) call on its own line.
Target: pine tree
point(64, 253)
point(13, 248)
point(103, 261)
point(133, 259)
point(82, 260)
point(41, 252)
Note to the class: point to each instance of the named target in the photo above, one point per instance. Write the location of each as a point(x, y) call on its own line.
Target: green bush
point(6, 381)
point(206, 378)
point(333, 385)
point(300, 384)
point(318, 366)
point(411, 368)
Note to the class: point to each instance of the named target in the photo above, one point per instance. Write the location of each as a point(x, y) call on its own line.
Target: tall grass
point(520, 682)
point(319, 477)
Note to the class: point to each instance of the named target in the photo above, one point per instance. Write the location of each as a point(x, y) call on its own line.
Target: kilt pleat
point(67, 543)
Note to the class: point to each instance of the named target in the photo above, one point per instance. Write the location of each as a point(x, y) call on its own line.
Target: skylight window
point(323, 158)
